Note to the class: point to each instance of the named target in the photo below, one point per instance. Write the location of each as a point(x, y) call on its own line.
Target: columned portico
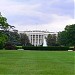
point(36, 40)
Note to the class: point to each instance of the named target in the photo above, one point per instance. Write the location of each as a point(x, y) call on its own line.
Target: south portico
point(37, 37)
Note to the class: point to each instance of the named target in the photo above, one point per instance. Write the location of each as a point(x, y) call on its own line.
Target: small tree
point(51, 40)
point(24, 39)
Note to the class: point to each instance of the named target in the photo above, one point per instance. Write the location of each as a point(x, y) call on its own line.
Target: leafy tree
point(3, 23)
point(67, 37)
point(62, 38)
point(24, 39)
point(13, 37)
point(51, 40)
point(3, 39)
point(4, 30)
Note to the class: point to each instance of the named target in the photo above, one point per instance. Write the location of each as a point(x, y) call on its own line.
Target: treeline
point(12, 38)
point(67, 37)
point(64, 38)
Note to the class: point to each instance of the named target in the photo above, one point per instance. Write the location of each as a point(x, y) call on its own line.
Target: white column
point(38, 39)
point(41, 39)
point(30, 38)
point(35, 40)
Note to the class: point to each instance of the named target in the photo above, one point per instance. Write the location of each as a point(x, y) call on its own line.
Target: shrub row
point(10, 46)
point(53, 48)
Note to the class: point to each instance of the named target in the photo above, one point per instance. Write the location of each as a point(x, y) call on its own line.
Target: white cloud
point(10, 7)
point(54, 22)
point(58, 24)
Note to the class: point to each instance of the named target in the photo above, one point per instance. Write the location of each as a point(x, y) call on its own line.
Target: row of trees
point(64, 38)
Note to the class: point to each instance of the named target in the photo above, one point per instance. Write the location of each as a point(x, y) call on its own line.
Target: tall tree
point(4, 29)
point(3, 39)
point(13, 37)
point(62, 38)
point(51, 40)
point(24, 39)
point(67, 37)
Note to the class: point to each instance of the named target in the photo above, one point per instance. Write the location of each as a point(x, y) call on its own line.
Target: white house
point(37, 37)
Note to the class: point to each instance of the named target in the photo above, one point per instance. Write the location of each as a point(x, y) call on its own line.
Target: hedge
point(53, 48)
point(9, 46)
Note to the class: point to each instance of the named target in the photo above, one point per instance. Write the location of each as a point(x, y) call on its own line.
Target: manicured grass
point(15, 62)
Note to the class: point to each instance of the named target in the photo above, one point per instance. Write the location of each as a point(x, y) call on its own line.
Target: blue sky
point(51, 15)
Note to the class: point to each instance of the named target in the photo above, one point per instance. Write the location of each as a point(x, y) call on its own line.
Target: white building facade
point(37, 37)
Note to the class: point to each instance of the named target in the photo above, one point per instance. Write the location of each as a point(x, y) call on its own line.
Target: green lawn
point(18, 62)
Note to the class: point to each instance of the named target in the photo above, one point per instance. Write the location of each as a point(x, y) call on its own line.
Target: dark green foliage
point(9, 46)
point(62, 38)
point(1, 46)
point(13, 37)
point(24, 40)
point(4, 26)
point(3, 39)
point(52, 48)
point(67, 37)
point(51, 40)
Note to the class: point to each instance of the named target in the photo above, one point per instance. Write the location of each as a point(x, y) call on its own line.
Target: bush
point(53, 48)
point(9, 46)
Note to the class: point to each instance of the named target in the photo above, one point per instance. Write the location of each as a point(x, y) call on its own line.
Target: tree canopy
point(4, 28)
point(67, 37)
point(24, 39)
point(3, 23)
point(51, 40)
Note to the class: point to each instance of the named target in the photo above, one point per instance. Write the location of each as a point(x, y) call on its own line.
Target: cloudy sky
point(51, 15)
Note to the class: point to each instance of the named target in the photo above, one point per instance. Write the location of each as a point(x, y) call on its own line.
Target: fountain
point(45, 43)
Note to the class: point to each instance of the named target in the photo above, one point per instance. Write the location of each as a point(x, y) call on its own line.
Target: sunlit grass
point(14, 62)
